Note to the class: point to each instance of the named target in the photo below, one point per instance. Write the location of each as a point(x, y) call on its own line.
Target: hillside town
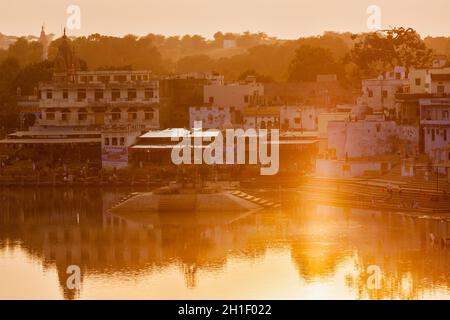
point(82, 123)
point(191, 150)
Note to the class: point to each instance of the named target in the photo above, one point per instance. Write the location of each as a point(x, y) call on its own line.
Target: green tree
point(310, 61)
point(380, 51)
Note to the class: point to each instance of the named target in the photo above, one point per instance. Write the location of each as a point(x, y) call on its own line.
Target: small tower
point(43, 40)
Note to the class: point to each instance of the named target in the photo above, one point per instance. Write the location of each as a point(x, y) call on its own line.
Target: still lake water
point(305, 251)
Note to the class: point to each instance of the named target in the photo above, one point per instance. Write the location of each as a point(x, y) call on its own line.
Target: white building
point(301, 117)
point(261, 118)
point(237, 95)
point(212, 117)
point(99, 98)
point(435, 126)
point(211, 77)
point(379, 94)
point(440, 83)
point(364, 138)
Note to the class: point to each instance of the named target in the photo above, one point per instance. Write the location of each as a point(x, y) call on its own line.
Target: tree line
point(350, 56)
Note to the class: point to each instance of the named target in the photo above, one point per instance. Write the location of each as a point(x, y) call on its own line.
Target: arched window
point(82, 114)
point(149, 114)
point(65, 114)
point(263, 124)
point(115, 114)
point(132, 114)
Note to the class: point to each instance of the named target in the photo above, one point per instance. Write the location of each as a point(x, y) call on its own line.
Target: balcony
point(435, 122)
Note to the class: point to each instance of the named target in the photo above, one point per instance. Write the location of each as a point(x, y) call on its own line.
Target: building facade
point(99, 98)
point(435, 128)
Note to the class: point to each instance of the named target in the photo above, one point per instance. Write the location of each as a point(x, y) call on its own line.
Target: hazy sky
point(282, 18)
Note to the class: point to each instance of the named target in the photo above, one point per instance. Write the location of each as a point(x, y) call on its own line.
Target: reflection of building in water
point(68, 227)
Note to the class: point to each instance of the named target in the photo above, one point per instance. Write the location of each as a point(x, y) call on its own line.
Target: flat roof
point(169, 146)
point(180, 133)
point(50, 141)
point(283, 142)
point(41, 133)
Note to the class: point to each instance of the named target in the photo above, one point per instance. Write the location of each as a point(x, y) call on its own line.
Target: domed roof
point(65, 59)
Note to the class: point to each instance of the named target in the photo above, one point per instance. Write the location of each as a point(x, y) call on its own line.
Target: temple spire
point(44, 42)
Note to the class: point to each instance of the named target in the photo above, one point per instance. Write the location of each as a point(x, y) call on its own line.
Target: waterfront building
point(373, 145)
point(379, 94)
point(261, 118)
point(98, 98)
point(75, 102)
point(180, 92)
point(286, 118)
point(435, 129)
point(422, 84)
point(213, 117)
point(237, 95)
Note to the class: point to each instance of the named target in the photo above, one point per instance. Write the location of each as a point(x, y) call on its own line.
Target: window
point(50, 115)
point(104, 79)
point(115, 94)
point(246, 98)
point(132, 114)
point(114, 141)
point(148, 114)
point(65, 115)
point(98, 94)
point(122, 141)
point(148, 93)
point(433, 135)
point(449, 156)
point(378, 127)
point(445, 114)
point(440, 89)
point(65, 94)
point(132, 94)
point(211, 99)
point(81, 94)
point(384, 94)
point(444, 134)
point(115, 114)
point(82, 114)
point(370, 93)
point(263, 125)
point(106, 141)
point(418, 81)
point(120, 78)
point(296, 120)
point(49, 94)
point(398, 76)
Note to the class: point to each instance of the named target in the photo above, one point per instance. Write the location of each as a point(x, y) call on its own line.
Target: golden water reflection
point(304, 251)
